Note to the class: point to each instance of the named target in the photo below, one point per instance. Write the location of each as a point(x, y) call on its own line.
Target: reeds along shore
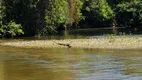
point(100, 43)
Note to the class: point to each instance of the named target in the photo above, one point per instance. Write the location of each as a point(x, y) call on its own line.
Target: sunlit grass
point(110, 42)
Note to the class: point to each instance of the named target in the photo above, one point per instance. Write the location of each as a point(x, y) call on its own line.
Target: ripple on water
point(85, 66)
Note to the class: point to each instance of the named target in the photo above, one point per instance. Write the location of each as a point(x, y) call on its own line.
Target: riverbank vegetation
point(44, 17)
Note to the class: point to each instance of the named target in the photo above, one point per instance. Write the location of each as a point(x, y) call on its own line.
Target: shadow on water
point(84, 33)
point(69, 64)
point(73, 34)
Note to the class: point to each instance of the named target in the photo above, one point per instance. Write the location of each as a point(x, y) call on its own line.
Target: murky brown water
point(69, 64)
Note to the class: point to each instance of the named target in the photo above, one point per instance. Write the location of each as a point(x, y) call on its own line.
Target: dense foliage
point(97, 13)
point(10, 28)
point(129, 14)
point(42, 17)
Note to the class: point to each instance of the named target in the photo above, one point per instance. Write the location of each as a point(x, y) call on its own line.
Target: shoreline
point(100, 43)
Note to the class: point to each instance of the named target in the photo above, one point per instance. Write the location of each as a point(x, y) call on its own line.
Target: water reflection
point(69, 64)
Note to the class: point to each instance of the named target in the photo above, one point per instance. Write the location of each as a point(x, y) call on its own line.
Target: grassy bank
point(100, 43)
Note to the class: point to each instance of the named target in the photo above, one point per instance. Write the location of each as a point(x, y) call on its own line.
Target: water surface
point(69, 64)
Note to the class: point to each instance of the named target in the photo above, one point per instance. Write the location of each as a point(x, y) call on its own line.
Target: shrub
point(12, 29)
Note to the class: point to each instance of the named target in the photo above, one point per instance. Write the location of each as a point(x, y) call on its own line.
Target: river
point(69, 64)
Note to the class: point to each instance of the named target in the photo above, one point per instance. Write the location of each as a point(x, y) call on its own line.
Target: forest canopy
point(44, 17)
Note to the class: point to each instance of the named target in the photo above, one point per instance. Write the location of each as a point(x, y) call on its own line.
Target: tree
point(1, 14)
point(58, 14)
point(52, 13)
point(22, 12)
point(42, 16)
point(75, 14)
point(129, 14)
point(9, 29)
point(97, 11)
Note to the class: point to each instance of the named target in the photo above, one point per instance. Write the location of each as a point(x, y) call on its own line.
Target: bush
point(11, 29)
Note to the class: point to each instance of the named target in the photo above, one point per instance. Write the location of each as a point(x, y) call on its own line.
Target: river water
point(69, 64)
